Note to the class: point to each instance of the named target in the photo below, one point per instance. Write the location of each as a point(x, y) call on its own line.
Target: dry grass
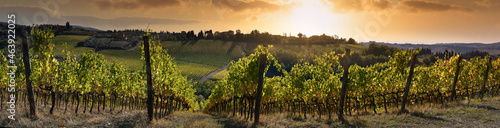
point(477, 114)
point(484, 113)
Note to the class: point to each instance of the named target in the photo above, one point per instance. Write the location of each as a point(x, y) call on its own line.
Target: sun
point(313, 18)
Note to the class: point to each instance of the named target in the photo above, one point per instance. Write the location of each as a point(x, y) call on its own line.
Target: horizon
point(392, 21)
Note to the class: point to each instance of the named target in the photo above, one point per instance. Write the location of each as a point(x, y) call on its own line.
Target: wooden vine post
point(408, 83)
point(455, 79)
point(344, 86)
point(149, 79)
point(483, 89)
point(260, 84)
point(27, 70)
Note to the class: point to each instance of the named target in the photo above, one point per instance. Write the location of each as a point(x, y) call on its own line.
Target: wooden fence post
point(149, 79)
point(483, 89)
point(27, 70)
point(260, 84)
point(455, 79)
point(344, 86)
point(408, 83)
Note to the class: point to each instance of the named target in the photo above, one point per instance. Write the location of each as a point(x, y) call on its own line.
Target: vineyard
point(88, 81)
point(315, 88)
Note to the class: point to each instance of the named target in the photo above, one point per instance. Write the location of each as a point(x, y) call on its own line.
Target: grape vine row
point(311, 88)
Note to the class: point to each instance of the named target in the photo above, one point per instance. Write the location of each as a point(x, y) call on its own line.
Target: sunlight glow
point(313, 18)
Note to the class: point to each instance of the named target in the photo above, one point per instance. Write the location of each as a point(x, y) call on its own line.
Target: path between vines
point(212, 73)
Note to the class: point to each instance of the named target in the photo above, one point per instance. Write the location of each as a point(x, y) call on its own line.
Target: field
point(131, 59)
point(220, 75)
point(70, 41)
point(208, 52)
point(484, 113)
point(193, 70)
point(194, 58)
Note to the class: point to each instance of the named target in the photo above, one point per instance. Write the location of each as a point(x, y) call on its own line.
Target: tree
point(68, 27)
point(430, 59)
point(300, 35)
point(200, 34)
point(351, 41)
point(239, 35)
point(209, 34)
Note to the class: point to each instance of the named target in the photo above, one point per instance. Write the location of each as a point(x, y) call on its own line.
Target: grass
point(193, 70)
point(131, 59)
point(70, 41)
point(182, 119)
point(484, 113)
point(220, 75)
point(205, 55)
point(478, 113)
point(203, 51)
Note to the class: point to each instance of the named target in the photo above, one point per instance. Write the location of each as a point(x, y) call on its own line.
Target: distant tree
point(473, 54)
point(183, 35)
point(238, 36)
point(446, 54)
point(255, 32)
point(335, 37)
point(382, 50)
point(300, 35)
point(190, 35)
point(68, 27)
point(351, 41)
point(429, 60)
point(209, 34)
point(200, 34)
point(254, 35)
point(425, 51)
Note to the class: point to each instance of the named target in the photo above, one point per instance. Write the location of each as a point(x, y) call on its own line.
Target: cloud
point(29, 15)
point(35, 15)
point(483, 3)
point(360, 5)
point(237, 5)
point(431, 6)
point(125, 21)
point(134, 4)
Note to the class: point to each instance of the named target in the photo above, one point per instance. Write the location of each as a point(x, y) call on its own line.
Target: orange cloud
point(237, 5)
point(360, 5)
point(431, 6)
point(484, 3)
point(135, 4)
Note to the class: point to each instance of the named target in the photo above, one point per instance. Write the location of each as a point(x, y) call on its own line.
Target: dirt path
point(212, 73)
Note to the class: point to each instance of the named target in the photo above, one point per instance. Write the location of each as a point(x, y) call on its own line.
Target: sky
point(394, 21)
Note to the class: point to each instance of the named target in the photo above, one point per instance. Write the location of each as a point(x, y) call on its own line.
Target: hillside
point(196, 59)
point(493, 49)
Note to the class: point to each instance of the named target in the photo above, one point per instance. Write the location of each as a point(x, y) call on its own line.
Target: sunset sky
point(395, 21)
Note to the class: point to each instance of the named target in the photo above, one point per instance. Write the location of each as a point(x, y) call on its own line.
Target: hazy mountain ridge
point(493, 48)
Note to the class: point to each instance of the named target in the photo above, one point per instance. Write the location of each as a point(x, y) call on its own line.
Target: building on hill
point(121, 37)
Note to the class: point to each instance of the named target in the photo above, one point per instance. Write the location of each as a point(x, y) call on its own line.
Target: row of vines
point(314, 88)
point(90, 80)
